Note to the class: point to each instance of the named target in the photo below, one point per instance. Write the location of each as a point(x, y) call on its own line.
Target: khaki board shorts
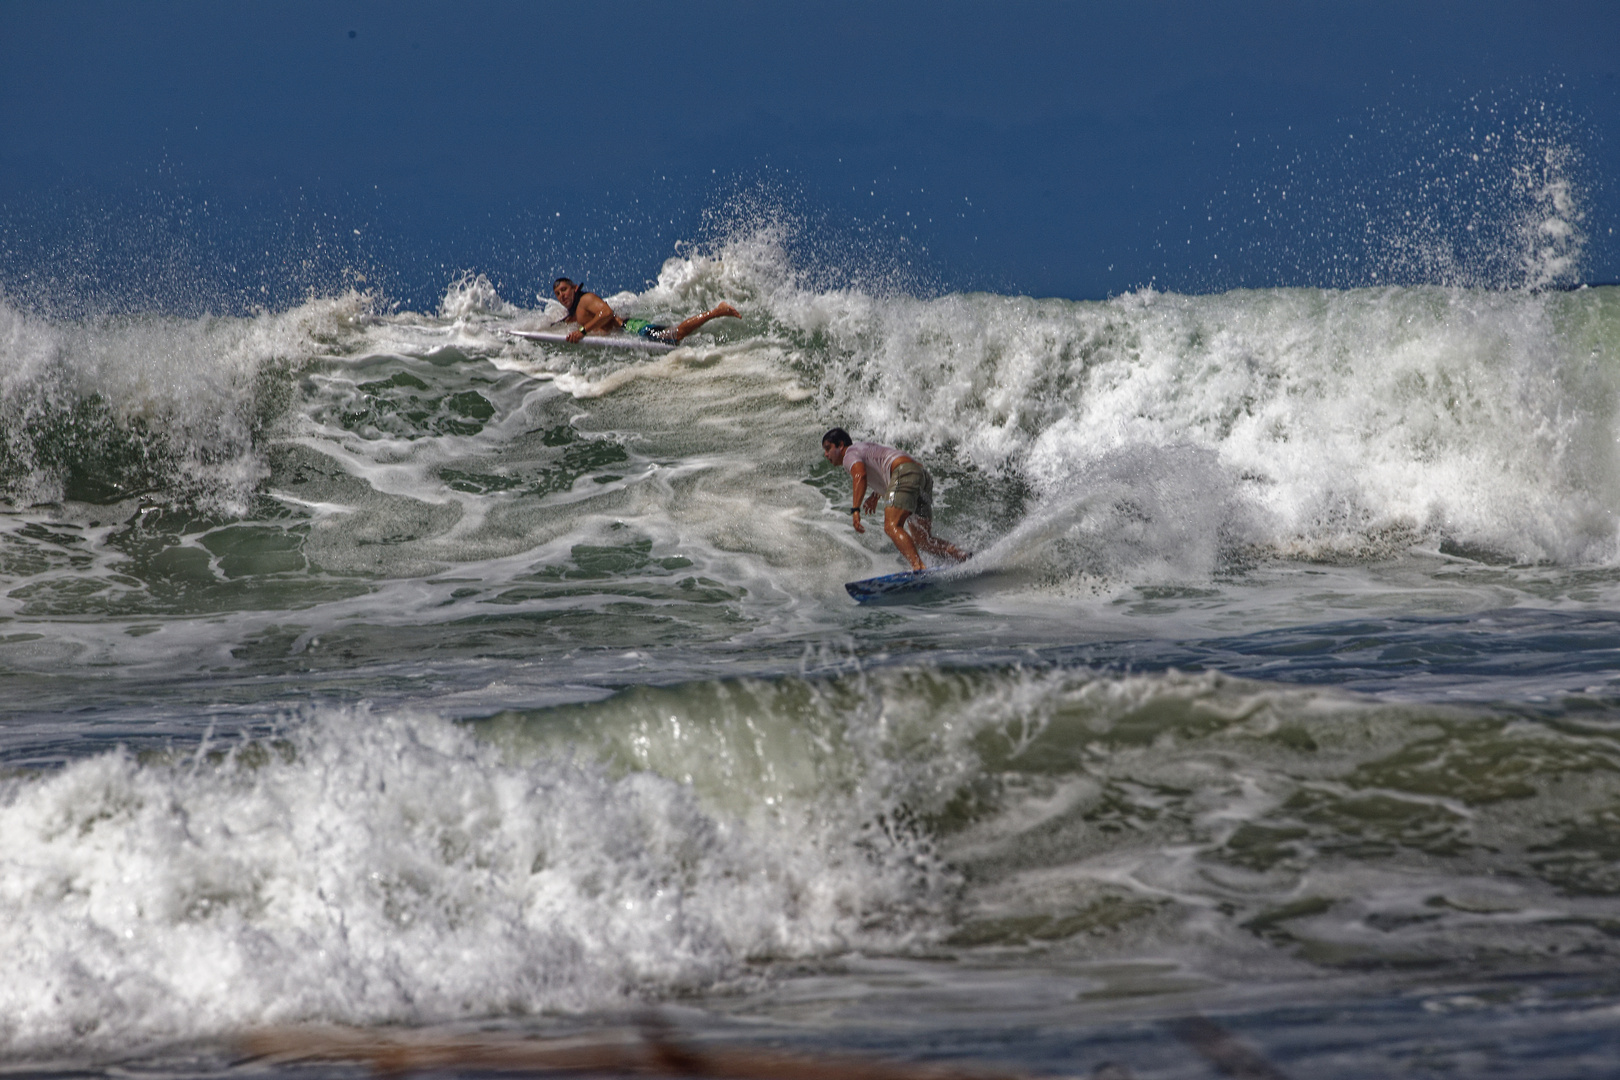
point(911, 488)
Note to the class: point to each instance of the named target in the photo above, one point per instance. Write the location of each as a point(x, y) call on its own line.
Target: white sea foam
point(473, 294)
point(1149, 439)
point(387, 868)
point(171, 402)
point(371, 867)
point(1335, 418)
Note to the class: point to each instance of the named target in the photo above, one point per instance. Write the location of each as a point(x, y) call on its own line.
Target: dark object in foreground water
point(651, 1052)
point(1222, 1049)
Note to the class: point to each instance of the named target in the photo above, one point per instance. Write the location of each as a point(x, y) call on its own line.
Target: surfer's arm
point(858, 473)
point(594, 314)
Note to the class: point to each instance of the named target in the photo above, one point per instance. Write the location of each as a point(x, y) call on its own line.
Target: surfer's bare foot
point(718, 311)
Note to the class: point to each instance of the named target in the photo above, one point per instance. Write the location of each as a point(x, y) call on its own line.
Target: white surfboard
point(615, 340)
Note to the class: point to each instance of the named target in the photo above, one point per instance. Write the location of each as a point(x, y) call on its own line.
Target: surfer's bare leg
point(925, 539)
point(719, 310)
point(894, 520)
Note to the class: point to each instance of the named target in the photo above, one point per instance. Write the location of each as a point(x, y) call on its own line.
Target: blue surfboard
point(890, 584)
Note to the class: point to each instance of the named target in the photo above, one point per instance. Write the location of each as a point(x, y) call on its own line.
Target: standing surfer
point(594, 315)
point(907, 486)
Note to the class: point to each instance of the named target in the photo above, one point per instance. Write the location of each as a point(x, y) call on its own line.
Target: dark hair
point(838, 437)
point(560, 280)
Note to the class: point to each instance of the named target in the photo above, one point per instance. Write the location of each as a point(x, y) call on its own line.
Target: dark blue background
point(188, 155)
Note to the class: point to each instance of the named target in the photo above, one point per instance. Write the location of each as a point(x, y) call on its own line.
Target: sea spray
point(1467, 415)
point(113, 408)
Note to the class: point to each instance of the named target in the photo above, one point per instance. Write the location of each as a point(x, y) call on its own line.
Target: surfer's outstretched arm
point(718, 311)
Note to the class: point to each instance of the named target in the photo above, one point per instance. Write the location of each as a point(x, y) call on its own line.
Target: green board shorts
point(911, 488)
point(650, 330)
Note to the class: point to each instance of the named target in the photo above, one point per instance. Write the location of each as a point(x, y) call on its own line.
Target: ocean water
point(372, 667)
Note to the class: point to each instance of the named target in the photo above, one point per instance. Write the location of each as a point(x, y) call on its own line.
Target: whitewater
point(369, 667)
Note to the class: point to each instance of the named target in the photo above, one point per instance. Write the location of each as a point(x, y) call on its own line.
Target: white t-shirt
point(877, 458)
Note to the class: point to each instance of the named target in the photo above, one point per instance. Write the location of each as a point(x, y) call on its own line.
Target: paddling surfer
point(593, 315)
point(908, 519)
